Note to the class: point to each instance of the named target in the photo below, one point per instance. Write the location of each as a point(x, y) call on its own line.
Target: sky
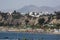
point(17, 4)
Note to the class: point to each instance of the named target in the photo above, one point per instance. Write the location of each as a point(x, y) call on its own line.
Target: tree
point(57, 14)
point(16, 15)
point(58, 26)
point(26, 21)
point(14, 11)
point(41, 21)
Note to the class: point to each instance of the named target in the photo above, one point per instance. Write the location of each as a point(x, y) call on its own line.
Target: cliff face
point(17, 19)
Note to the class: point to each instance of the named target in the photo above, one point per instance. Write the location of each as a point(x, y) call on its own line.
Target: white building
point(10, 13)
point(45, 13)
point(34, 14)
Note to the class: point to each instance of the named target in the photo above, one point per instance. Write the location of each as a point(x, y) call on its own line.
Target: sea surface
point(28, 36)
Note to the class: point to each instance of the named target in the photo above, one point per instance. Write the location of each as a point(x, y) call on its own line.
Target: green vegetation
point(41, 21)
point(17, 20)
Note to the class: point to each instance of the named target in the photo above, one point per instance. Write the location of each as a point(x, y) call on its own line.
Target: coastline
point(40, 31)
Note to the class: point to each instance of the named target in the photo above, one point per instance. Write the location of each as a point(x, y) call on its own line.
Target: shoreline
point(52, 33)
point(33, 32)
point(41, 31)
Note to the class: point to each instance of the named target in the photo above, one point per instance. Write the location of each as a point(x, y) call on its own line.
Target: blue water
point(28, 36)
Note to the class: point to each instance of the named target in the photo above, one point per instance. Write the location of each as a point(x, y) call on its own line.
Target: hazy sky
point(17, 4)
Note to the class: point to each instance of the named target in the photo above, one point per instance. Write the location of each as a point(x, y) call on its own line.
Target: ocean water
point(28, 36)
